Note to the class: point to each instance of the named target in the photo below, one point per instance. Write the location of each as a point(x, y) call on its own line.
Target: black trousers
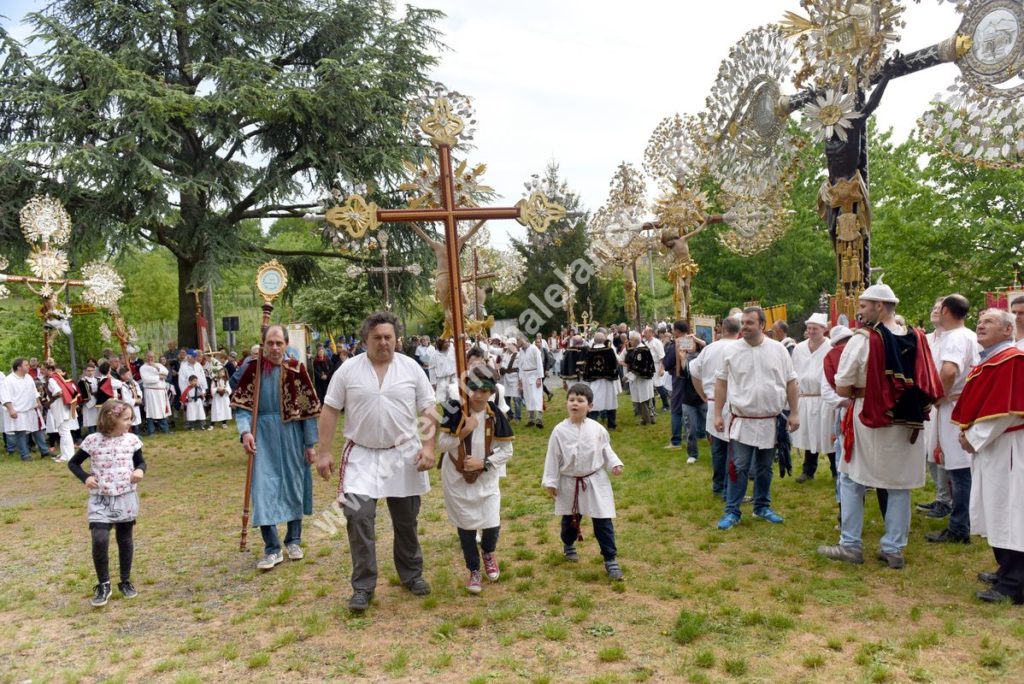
point(604, 531)
point(101, 549)
point(811, 463)
point(1010, 573)
point(488, 542)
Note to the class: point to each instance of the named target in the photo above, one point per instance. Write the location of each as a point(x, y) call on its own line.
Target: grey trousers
point(943, 491)
point(361, 517)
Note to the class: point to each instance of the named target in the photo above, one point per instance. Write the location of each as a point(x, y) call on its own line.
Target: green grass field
point(750, 605)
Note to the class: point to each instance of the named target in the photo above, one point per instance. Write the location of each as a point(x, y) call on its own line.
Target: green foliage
point(335, 304)
point(562, 244)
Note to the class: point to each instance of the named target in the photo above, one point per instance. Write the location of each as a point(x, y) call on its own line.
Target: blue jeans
point(897, 516)
point(719, 459)
point(959, 518)
point(516, 407)
point(742, 456)
point(663, 393)
point(694, 419)
point(39, 436)
point(271, 542)
point(19, 440)
point(158, 422)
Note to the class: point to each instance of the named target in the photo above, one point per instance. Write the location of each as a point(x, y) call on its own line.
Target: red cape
point(995, 388)
point(68, 390)
point(831, 363)
point(884, 389)
point(298, 395)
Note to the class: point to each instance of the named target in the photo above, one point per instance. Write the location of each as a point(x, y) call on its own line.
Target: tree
point(175, 121)
point(335, 304)
point(560, 245)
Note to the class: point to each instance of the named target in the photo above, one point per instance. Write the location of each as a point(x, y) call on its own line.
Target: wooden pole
point(243, 543)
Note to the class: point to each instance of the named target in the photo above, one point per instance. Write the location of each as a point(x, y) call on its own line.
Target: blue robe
point(282, 481)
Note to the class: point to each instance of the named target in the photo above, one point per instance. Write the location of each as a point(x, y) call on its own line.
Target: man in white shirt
point(1017, 309)
point(757, 380)
point(816, 417)
point(154, 393)
point(21, 401)
point(189, 367)
point(658, 352)
point(425, 354)
point(703, 373)
point(531, 373)
point(390, 437)
point(958, 353)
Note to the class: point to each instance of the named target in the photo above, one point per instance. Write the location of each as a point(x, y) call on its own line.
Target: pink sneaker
point(491, 566)
point(474, 584)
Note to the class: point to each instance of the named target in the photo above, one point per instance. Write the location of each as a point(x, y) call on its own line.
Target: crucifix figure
point(358, 216)
point(381, 241)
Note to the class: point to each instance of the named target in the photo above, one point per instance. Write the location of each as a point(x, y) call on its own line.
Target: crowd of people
point(884, 402)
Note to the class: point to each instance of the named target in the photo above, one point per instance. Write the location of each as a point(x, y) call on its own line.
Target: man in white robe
point(958, 353)
point(508, 369)
point(390, 438)
point(816, 418)
point(704, 374)
point(658, 352)
point(154, 393)
point(943, 502)
point(21, 401)
point(882, 457)
point(531, 373)
point(995, 437)
point(758, 381)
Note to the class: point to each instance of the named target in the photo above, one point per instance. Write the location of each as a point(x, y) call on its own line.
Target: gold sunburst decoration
point(443, 125)
point(48, 264)
point(425, 185)
point(538, 212)
point(355, 216)
point(103, 286)
point(682, 210)
point(44, 219)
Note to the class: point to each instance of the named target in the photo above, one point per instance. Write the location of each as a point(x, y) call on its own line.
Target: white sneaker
point(270, 560)
point(294, 552)
point(691, 460)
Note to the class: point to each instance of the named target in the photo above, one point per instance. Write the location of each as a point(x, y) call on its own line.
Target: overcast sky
point(584, 82)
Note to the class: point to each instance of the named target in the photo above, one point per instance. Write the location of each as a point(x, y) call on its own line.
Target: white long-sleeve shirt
point(581, 450)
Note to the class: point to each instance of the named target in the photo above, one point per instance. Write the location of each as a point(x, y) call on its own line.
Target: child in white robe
point(220, 404)
point(478, 443)
point(192, 400)
point(579, 453)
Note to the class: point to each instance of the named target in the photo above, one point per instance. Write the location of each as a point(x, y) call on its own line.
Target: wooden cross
point(357, 216)
point(202, 335)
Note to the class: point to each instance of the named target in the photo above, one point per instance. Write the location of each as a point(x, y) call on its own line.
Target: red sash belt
point(581, 485)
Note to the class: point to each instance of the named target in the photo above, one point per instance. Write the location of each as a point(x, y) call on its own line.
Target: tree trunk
point(186, 307)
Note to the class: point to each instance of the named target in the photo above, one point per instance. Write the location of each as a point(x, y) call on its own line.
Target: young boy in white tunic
point(220, 404)
point(192, 400)
point(478, 443)
point(579, 453)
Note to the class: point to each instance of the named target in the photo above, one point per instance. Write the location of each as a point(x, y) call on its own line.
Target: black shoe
point(988, 577)
point(540, 426)
point(895, 561)
point(418, 586)
point(127, 589)
point(569, 551)
point(360, 600)
point(993, 596)
point(939, 510)
point(803, 477)
point(925, 507)
point(102, 595)
point(947, 537)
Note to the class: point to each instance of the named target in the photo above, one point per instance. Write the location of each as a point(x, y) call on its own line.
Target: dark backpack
point(549, 359)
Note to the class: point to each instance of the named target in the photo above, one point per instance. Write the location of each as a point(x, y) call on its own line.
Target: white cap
point(840, 332)
point(510, 340)
point(880, 292)
point(818, 319)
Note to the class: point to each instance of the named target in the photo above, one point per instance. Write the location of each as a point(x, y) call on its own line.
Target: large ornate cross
point(356, 216)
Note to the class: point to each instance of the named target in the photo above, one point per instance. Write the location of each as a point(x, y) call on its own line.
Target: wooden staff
point(243, 543)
